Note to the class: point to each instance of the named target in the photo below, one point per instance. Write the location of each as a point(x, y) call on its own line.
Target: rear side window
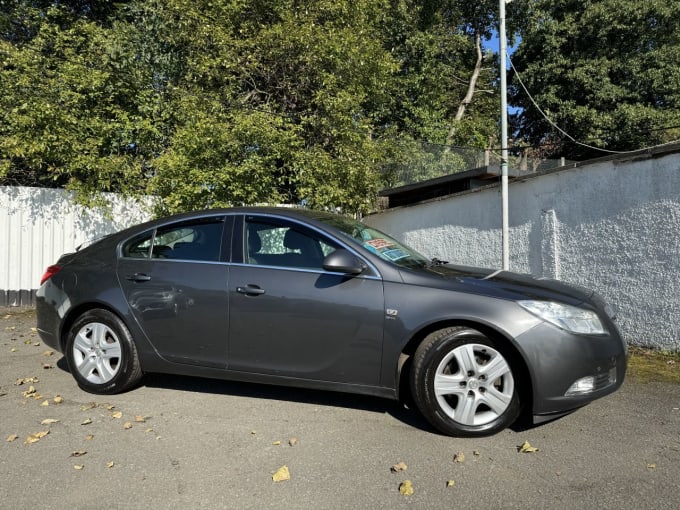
point(197, 240)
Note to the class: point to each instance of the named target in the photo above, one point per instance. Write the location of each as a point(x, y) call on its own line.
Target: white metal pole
point(504, 139)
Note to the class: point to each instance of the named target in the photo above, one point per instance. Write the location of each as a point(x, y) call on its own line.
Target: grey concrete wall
point(613, 226)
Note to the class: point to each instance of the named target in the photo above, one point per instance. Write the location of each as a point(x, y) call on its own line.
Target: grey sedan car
point(317, 300)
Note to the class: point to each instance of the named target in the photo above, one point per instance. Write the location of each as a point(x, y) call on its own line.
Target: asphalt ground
point(178, 442)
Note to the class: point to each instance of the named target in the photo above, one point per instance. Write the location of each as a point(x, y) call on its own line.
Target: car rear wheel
point(464, 384)
point(101, 354)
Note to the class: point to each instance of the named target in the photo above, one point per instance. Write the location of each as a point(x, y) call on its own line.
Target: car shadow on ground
point(405, 411)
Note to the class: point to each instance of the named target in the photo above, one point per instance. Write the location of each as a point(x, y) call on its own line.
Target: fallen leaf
point(110, 407)
point(87, 407)
point(282, 474)
point(49, 421)
point(26, 380)
point(87, 421)
point(450, 483)
point(140, 419)
point(78, 453)
point(48, 353)
point(37, 436)
point(459, 457)
point(12, 438)
point(45, 403)
point(78, 467)
point(89, 437)
point(127, 425)
point(292, 441)
point(36, 344)
point(30, 391)
point(34, 330)
point(401, 466)
point(58, 400)
point(47, 366)
point(110, 464)
point(27, 342)
point(526, 448)
point(276, 443)
point(406, 488)
point(117, 415)
point(253, 432)
point(476, 453)
point(651, 466)
point(13, 349)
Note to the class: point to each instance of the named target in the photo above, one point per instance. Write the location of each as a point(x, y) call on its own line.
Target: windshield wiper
point(436, 262)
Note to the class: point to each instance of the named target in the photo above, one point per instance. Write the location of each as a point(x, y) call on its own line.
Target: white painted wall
point(613, 226)
point(38, 225)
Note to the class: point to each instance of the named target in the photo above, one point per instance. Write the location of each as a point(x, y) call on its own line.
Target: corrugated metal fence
point(37, 225)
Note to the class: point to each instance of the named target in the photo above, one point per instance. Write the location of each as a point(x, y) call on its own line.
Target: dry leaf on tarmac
point(651, 466)
point(401, 466)
point(45, 403)
point(282, 474)
point(526, 448)
point(87, 421)
point(117, 415)
point(49, 421)
point(276, 443)
point(34, 438)
point(89, 437)
point(292, 441)
point(450, 483)
point(127, 425)
point(406, 488)
point(140, 419)
point(12, 438)
point(30, 391)
point(58, 400)
point(459, 457)
point(78, 453)
point(78, 467)
point(47, 366)
point(26, 380)
point(48, 353)
point(110, 464)
point(87, 407)
point(110, 407)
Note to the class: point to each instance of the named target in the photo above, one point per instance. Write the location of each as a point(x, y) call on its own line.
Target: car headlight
point(570, 318)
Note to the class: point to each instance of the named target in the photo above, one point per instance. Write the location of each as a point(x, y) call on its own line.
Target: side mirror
point(342, 261)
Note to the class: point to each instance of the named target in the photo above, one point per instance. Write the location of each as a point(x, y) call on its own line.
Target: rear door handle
point(250, 290)
point(138, 277)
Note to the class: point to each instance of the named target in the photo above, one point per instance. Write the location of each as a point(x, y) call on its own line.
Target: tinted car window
point(199, 240)
point(273, 243)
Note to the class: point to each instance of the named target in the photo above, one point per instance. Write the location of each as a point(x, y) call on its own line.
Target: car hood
point(496, 283)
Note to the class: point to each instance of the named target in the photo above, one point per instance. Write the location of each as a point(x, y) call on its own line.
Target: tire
point(101, 353)
point(464, 384)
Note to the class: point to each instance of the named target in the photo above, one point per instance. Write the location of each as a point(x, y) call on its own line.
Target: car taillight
point(49, 273)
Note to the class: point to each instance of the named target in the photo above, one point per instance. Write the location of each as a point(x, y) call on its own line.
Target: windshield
point(377, 242)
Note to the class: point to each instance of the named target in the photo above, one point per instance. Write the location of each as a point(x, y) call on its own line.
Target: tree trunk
point(472, 84)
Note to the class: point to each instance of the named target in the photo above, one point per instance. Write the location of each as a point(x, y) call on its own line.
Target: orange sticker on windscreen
point(379, 244)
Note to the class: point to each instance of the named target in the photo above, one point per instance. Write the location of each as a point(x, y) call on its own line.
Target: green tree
point(606, 72)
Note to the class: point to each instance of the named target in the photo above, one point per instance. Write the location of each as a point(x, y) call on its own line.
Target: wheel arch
point(80, 309)
point(524, 381)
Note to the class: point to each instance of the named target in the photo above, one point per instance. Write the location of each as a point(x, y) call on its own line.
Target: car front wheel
point(464, 384)
point(101, 353)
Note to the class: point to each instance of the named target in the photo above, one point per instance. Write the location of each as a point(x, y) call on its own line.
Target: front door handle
point(138, 277)
point(250, 290)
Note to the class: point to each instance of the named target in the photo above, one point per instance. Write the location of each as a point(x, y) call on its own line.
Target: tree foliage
point(606, 72)
point(225, 102)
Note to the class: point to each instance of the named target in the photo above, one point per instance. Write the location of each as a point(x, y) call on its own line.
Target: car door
point(288, 317)
point(175, 282)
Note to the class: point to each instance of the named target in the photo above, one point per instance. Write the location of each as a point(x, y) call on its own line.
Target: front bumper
point(557, 359)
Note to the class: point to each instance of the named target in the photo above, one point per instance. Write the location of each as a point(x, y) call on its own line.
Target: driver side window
point(280, 244)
